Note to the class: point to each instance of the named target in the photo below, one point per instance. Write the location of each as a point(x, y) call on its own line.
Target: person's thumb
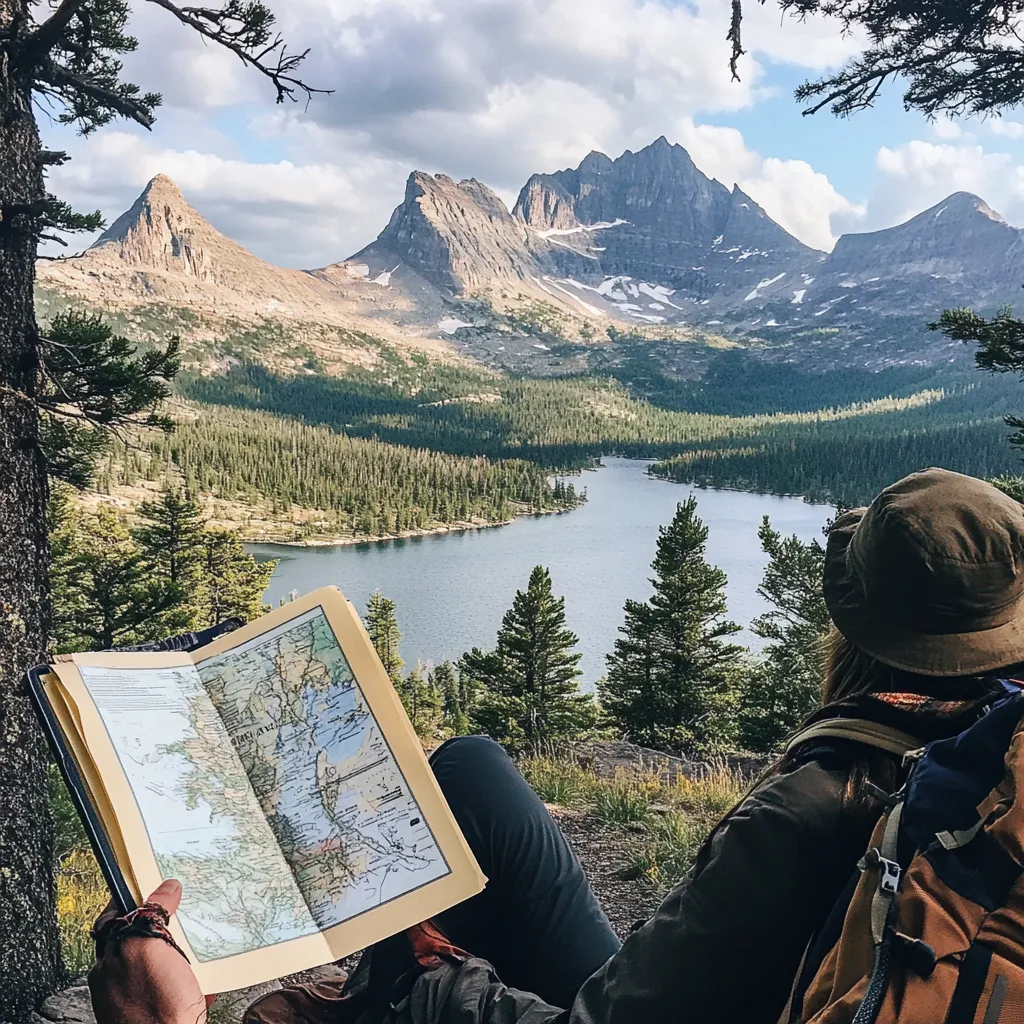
point(167, 895)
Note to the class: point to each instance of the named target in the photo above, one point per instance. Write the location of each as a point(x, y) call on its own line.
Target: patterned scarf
point(949, 707)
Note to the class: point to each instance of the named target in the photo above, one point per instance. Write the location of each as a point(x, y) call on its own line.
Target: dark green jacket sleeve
point(725, 944)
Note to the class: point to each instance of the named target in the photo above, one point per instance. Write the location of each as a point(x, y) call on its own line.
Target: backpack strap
point(860, 730)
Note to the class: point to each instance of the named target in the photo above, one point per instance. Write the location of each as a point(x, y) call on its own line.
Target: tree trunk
point(30, 965)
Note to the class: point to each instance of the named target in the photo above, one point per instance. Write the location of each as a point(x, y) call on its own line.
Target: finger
point(210, 1000)
point(167, 895)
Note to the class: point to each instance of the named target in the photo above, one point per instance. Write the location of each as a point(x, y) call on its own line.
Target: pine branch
point(64, 81)
point(243, 28)
point(735, 37)
point(52, 158)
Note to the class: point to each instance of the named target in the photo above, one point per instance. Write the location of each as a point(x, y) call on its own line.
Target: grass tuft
point(81, 896)
point(626, 798)
point(557, 780)
point(674, 817)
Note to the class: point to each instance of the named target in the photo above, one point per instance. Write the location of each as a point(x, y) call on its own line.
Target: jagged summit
point(163, 250)
point(161, 231)
point(457, 235)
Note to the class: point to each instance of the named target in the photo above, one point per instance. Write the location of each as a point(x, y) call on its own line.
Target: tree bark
point(30, 965)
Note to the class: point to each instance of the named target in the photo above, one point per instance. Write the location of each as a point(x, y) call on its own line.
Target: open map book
point(275, 774)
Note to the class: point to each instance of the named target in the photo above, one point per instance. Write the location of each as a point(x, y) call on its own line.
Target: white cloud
point(492, 89)
point(945, 129)
point(920, 174)
point(1009, 129)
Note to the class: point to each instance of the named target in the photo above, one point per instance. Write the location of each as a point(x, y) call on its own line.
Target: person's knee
point(471, 771)
point(464, 753)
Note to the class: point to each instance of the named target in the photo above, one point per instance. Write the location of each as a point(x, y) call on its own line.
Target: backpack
point(931, 928)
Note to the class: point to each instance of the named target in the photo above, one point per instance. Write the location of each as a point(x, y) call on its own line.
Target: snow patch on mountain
point(451, 324)
point(767, 283)
point(600, 226)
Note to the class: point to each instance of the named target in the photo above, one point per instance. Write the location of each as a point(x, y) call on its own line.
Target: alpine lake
point(452, 589)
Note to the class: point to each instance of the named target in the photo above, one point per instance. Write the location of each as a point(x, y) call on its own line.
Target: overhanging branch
point(49, 34)
point(215, 25)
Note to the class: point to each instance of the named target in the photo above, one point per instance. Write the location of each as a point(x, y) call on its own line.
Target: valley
point(629, 307)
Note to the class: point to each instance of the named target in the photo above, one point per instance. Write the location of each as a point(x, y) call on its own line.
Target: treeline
point(852, 461)
point(560, 423)
point(363, 486)
point(845, 453)
point(738, 384)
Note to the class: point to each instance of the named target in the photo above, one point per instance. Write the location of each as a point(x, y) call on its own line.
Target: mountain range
point(644, 247)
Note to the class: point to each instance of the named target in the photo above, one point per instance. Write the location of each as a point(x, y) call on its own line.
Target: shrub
point(557, 780)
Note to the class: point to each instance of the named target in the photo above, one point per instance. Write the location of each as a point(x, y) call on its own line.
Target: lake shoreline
point(452, 592)
point(434, 531)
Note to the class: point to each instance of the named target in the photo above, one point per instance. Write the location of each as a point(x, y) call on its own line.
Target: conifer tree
point(382, 626)
point(171, 534)
point(453, 696)
point(63, 57)
point(422, 701)
point(529, 688)
point(233, 582)
point(671, 674)
point(107, 593)
point(787, 685)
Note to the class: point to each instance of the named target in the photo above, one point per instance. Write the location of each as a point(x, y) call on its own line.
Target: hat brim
point(896, 644)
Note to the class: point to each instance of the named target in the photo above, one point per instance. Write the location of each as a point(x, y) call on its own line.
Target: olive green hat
point(930, 577)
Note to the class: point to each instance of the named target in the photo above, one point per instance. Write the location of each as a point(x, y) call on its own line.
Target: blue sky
point(499, 89)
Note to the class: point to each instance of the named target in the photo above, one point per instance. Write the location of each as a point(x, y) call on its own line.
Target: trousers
point(537, 921)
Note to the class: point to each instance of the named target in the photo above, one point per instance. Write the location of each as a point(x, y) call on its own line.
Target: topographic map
point(267, 788)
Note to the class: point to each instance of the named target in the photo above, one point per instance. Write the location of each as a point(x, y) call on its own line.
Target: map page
point(327, 781)
point(266, 787)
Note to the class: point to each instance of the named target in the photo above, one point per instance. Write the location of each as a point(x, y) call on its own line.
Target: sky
point(498, 90)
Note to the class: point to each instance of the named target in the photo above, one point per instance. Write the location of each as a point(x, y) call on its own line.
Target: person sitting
point(925, 589)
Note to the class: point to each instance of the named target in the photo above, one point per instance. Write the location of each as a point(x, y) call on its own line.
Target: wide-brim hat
point(930, 577)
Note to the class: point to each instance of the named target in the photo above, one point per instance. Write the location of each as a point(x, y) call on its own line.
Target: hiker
point(926, 593)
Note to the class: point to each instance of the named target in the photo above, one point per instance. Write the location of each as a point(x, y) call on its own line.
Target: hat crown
point(942, 553)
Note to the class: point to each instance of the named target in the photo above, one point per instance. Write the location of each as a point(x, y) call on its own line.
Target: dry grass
point(81, 895)
point(668, 820)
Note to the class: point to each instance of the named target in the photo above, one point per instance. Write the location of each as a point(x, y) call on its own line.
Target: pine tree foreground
point(672, 675)
point(786, 686)
point(529, 685)
point(382, 627)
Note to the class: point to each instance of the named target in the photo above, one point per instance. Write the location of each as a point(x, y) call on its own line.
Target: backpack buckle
point(889, 875)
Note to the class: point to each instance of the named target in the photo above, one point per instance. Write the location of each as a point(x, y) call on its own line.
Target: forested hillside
point(844, 453)
point(358, 487)
point(850, 461)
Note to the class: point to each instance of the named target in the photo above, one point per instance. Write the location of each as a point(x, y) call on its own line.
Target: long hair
point(851, 672)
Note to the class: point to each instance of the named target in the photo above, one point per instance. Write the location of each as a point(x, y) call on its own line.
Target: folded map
point(274, 773)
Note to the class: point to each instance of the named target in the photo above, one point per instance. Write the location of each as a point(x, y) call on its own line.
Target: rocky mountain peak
point(958, 239)
point(163, 250)
point(162, 231)
point(457, 235)
point(967, 203)
point(545, 205)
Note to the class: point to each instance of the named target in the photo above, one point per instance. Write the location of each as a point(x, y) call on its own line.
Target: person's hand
point(145, 980)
